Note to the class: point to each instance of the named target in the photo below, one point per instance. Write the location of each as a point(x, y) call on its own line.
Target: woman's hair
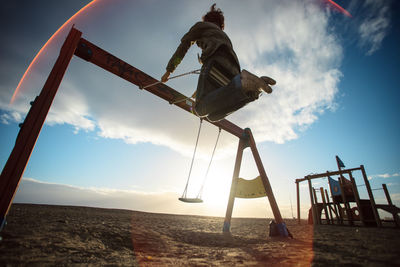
point(215, 16)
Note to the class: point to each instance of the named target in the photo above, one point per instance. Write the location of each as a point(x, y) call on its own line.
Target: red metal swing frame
point(30, 129)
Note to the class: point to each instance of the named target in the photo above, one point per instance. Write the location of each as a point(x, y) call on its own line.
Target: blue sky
point(107, 144)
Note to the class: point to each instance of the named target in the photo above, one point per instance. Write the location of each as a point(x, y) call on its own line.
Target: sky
point(107, 144)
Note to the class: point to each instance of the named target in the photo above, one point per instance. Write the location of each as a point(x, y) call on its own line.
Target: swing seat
point(191, 200)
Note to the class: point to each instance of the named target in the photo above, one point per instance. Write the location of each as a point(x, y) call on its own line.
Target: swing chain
point(173, 77)
point(191, 164)
point(199, 195)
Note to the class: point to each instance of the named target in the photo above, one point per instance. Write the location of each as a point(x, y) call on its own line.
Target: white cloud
point(12, 116)
point(287, 40)
point(376, 24)
point(384, 175)
point(395, 197)
point(34, 191)
point(71, 107)
point(291, 42)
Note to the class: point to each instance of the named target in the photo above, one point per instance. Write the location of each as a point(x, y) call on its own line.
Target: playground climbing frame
point(367, 209)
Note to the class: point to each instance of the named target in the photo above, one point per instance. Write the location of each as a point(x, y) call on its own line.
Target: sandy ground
point(56, 235)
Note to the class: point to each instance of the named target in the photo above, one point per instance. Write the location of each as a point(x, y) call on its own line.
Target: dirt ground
point(60, 235)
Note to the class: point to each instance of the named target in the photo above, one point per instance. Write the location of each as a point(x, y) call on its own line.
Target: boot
point(268, 80)
point(253, 85)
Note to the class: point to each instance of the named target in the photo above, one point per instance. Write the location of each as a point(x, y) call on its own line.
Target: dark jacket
point(209, 37)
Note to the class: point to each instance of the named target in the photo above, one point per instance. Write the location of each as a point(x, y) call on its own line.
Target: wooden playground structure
point(32, 125)
point(344, 206)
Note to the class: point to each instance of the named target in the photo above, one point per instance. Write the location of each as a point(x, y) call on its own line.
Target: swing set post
point(265, 180)
point(15, 166)
point(248, 141)
point(228, 216)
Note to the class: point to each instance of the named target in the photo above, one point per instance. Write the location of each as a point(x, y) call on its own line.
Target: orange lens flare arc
point(44, 47)
point(341, 9)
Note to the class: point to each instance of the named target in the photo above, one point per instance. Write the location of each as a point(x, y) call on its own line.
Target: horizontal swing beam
point(326, 174)
point(94, 54)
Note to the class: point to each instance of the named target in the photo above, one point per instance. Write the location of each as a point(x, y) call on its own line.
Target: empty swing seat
point(191, 200)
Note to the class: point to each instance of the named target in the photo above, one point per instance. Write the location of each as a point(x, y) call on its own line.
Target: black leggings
point(219, 90)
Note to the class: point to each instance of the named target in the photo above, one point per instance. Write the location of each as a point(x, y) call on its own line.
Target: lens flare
point(339, 8)
point(45, 46)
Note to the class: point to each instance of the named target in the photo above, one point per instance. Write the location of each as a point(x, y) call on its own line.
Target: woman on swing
point(222, 87)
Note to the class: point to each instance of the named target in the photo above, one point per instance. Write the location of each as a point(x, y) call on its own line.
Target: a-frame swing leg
point(248, 140)
point(30, 129)
point(228, 215)
point(267, 186)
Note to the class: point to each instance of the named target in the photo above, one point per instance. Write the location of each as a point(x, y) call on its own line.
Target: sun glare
point(217, 189)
